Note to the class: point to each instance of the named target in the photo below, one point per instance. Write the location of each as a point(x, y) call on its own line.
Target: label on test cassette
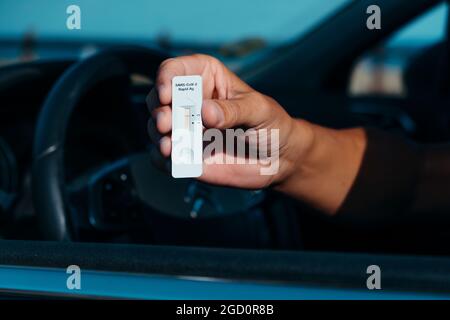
point(187, 128)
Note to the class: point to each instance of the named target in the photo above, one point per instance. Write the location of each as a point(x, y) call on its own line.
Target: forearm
point(324, 173)
point(367, 174)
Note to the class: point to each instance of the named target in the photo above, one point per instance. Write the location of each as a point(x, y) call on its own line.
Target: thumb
point(250, 110)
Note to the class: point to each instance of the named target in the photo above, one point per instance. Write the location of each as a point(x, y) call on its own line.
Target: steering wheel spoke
point(106, 198)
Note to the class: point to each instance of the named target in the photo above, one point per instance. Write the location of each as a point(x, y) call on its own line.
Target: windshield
point(162, 22)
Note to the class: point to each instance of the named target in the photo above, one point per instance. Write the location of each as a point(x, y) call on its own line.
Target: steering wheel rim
point(48, 183)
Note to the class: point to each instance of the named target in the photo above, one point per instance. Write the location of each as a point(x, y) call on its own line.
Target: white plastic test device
point(187, 127)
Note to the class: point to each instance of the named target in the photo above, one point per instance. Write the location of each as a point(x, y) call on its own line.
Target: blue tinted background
point(206, 21)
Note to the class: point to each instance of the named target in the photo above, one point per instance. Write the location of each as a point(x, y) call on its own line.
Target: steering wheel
point(114, 193)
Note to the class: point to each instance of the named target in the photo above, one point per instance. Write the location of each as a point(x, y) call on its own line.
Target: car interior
point(79, 179)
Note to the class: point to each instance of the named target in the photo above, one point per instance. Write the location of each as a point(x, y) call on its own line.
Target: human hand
point(228, 102)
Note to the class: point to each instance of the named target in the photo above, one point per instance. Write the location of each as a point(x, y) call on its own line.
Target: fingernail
point(164, 145)
point(218, 113)
point(160, 89)
point(159, 116)
point(164, 140)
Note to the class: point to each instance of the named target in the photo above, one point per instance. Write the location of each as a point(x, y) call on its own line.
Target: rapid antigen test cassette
point(187, 127)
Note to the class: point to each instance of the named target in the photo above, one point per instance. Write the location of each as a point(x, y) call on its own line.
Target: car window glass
point(202, 22)
point(381, 70)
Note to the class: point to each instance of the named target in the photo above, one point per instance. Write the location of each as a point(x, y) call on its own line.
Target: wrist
point(295, 152)
point(326, 163)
